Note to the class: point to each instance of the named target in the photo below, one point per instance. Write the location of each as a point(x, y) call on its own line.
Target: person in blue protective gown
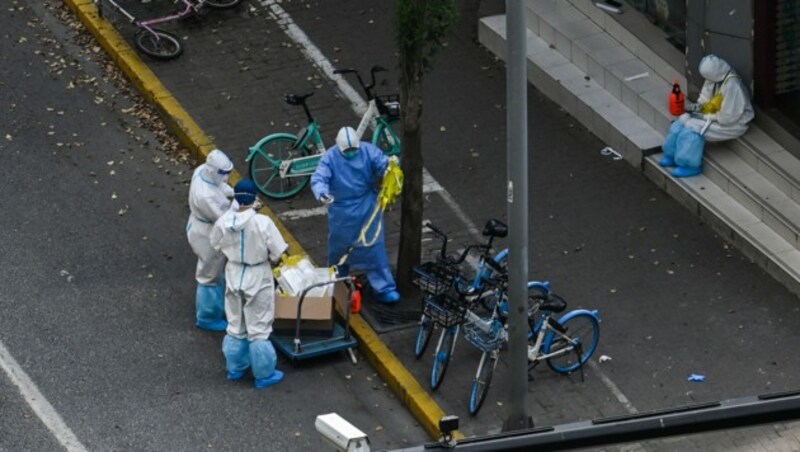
point(722, 112)
point(209, 198)
point(249, 241)
point(348, 180)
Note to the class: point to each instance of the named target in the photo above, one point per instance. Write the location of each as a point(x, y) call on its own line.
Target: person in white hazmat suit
point(209, 198)
point(249, 241)
point(722, 112)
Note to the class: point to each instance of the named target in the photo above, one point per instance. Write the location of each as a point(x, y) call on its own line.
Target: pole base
point(514, 424)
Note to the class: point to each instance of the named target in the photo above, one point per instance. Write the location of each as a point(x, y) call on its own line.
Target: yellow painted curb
point(402, 383)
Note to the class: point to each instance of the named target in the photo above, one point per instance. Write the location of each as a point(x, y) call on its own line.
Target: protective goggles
point(224, 172)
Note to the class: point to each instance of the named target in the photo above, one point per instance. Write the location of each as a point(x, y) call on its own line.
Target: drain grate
point(384, 318)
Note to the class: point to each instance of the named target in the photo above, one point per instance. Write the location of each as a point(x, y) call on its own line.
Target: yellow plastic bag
point(712, 106)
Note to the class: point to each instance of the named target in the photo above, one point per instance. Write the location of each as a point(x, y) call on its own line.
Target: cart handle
point(297, 347)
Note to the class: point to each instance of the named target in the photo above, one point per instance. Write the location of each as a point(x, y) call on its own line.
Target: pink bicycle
point(160, 44)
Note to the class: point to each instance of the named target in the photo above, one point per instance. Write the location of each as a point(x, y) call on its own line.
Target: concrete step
point(580, 95)
point(770, 159)
point(753, 190)
point(749, 188)
point(633, 74)
point(608, 60)
point(762, 153)
point(735, 223)
point(662, 58)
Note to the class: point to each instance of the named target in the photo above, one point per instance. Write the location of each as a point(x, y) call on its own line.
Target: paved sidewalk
point(667, 288)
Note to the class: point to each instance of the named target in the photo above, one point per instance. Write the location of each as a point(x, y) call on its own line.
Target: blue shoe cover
point(237, 356)
point(236, 376)
point(218, 325)
point(272, 380)
point(262, 358)
point(666, 161)
point(389, 297)
point(686, 171)
point(210, 306)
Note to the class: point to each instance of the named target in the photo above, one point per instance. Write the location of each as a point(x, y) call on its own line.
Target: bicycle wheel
point(381, 137)
point(444, 351)
point(265, 167)
point(159, 45)
point(222, 4)
point(483, 378)
point(584, 332)
point(423, 336)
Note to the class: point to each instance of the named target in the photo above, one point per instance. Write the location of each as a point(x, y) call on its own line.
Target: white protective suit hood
point(217, 163)
point(714, 68)
point(347, 139)
point(238, 220)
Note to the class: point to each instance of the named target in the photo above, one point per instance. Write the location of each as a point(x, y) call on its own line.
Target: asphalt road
point(675, 299)
point(98, 310)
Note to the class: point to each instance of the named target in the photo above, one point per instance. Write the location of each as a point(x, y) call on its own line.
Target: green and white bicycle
point(281, 164)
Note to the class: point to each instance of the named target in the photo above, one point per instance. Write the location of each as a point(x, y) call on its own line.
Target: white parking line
point(359, 106)
point(303, 213)
point(38, 403)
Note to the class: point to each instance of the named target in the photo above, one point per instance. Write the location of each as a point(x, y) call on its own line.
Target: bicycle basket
point(445, 310)
point(485, 342)
point(433, 277)
point(389, 105)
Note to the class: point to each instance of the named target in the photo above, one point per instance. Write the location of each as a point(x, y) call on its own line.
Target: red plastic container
point(676, 100)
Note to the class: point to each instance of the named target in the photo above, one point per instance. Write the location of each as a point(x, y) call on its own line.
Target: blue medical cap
point(245, 192)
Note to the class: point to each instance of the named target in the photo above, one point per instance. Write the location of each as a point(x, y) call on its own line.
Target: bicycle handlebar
point(367, 88)
point(455, 261)
point(438, 232)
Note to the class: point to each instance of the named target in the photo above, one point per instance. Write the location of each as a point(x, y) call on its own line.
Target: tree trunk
point(412, 164)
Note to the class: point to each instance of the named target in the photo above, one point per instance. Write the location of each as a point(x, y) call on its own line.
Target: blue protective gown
point(354, 185)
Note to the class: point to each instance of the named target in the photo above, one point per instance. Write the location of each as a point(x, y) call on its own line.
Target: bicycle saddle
point(297, 99)
point(495, 228)
point(554, 303)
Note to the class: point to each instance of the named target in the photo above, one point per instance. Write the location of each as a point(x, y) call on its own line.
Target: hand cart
point(297, 348)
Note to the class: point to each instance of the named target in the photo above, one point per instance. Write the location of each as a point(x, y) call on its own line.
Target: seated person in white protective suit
point(722, 112)
point(209, 198)
point(250, 241)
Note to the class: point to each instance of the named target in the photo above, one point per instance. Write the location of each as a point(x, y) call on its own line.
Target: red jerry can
point(355, 299)
point(676, 100)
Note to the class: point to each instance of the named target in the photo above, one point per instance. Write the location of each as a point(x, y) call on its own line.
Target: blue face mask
point(350, 153)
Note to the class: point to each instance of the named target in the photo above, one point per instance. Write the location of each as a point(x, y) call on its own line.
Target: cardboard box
point(316, 317)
